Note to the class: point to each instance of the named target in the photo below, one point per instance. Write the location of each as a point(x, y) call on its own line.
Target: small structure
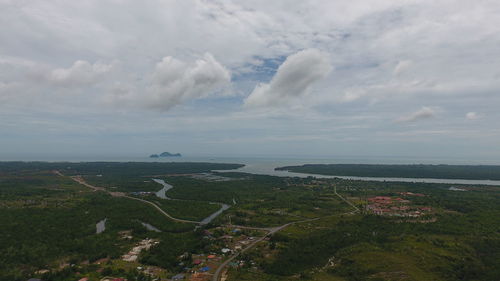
point(113, 279)
point(179, 276)
point(198, 276)
point(225, 250)
point(205, 269)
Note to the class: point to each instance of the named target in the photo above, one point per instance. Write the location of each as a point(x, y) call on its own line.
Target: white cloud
point(389, 57)
point(402, 66)
point(81, 73)
point(472, 115)
point(175, 81)
point(423, 113)
point(293, 79)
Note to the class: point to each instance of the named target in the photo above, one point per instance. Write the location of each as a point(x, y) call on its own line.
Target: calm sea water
point(265, 166)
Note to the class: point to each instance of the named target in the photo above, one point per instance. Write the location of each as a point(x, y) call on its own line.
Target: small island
point(168, 154)
point(165, 154)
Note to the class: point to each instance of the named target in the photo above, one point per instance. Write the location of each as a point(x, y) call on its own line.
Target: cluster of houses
point(230, 240)
point(141, 193)
point(133, 254)
point(406, 193)
point(210, 177)
point(397, 207)
point(109, 279)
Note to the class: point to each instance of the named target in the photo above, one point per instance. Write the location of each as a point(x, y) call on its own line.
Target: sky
point(381, 78)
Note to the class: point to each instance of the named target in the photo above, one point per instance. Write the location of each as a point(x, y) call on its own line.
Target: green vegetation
point(369, 247)
point(482, 172)
point(34, 238)
point(49, 222)
point(188, 210)
point(131, 169)
point(261, 200)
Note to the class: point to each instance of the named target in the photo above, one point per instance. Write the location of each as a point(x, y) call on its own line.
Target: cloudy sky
point(379, 78)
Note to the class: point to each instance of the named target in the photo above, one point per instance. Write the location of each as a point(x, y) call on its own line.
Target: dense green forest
point(480, 172)
point(49, 220)
point(462, 243)
point(261, 200)
point(132, 169)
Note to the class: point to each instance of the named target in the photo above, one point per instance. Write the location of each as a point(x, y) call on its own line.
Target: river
point(150, 227)
point(266, 166)
point(210, 218)
point(100, 226)
point(162, 194)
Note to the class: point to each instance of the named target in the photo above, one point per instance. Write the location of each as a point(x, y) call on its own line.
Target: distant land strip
point(466, 172)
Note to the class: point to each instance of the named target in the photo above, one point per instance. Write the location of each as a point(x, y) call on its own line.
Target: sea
point(267, 165)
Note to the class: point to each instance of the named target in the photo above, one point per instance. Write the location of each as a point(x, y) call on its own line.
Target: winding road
point(161, 211)
point(272, 230)
point(219, 270)
point(80, 180)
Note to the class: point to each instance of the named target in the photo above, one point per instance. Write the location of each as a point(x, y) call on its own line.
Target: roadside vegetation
point(372, 247)
point(49, 226)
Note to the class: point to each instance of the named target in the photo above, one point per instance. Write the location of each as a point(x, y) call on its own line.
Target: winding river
point(100, 226)
point(268, 168)
point(150, 227)
point(210, 218)
point(162, 194)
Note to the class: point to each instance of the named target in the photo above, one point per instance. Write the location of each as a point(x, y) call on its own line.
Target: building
point(179, 276)
point(205, 269)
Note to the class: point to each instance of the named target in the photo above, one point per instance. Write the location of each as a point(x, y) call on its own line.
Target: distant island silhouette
point(165, 154)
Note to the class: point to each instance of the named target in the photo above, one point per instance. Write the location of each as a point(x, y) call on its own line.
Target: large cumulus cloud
point(175, 81)
point(81, 73)
point(293, 79)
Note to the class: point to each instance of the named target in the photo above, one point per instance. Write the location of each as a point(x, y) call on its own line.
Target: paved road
point(345, 200)
point(80, 180)
point(216, 276)
point(273, 230)
point(161, 211)
point(250, 227)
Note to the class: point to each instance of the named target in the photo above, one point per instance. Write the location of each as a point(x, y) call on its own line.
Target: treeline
point(479, 172)
point(129, 169)
point(242, 190)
